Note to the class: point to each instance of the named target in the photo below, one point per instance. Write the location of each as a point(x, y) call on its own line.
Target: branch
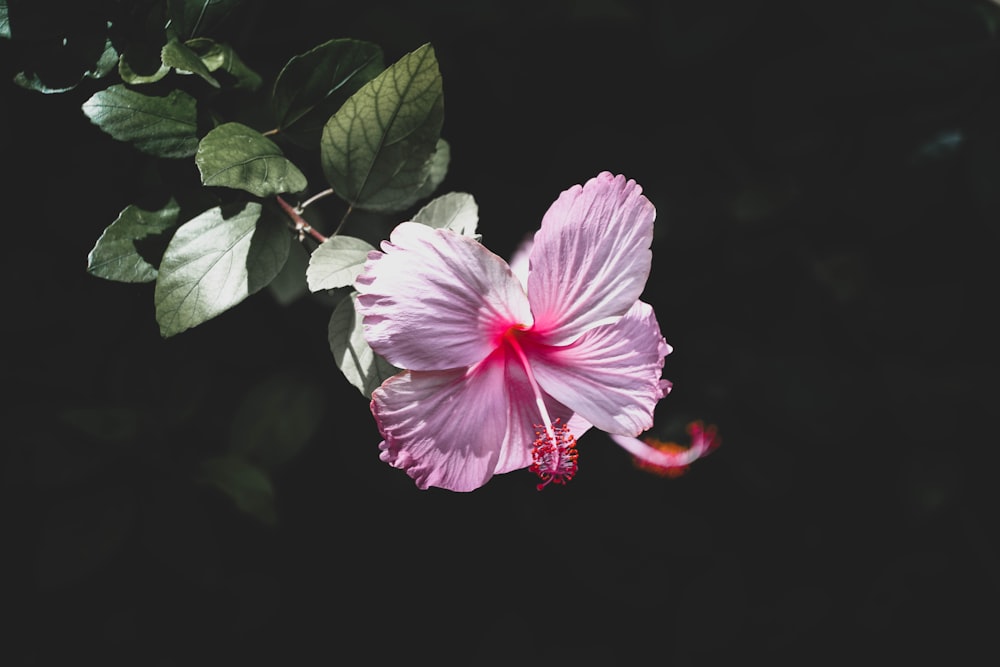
point(300, 225)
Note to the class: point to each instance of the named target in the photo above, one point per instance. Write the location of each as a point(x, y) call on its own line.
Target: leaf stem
point(319, 195)
point(270, 132)
point(350, 207)
point(300, 225)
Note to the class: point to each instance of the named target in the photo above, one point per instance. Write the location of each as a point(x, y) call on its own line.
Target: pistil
point(554, 453)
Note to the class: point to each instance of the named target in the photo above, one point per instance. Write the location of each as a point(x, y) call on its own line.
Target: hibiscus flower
point(505, 370)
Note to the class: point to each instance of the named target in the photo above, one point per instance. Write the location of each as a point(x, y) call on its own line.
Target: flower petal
point(434, 299)
point(611, 375)
point(591, 257)
point(444, 428)
point(665, 457)
point(456, 428)
point(519, 260)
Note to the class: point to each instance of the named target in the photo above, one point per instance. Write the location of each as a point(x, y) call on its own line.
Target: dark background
point(825, 176)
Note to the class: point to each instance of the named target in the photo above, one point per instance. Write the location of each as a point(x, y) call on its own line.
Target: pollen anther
point(554, 454)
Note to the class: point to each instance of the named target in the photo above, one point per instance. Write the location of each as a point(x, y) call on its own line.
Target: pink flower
point(503, 372)
point(668, 459)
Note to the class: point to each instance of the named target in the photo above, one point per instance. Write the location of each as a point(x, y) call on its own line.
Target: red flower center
point(554, 454)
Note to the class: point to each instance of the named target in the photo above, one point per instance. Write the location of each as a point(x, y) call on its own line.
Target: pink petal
point(444, 428)
point(435, 299)
point(578, 425)
point(454, 429)
point(655, 457)
point(591, 257)
point(611, 375)
point(703, 441)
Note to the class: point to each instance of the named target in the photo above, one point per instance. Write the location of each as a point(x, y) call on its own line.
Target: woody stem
point(299, 223)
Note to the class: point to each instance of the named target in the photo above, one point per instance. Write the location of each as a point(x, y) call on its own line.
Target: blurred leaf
point(159, 126)
point(290, 283)
point(217, 56)
point(336, 262)
point(236, 156)
point(190, 18)
point(115, 256)
point(355, 358)
point(213, 263)
point(312, 86)
point(376, 150)
point(182, 58)
point(437, 169)
point(456, 211)
point(276, 419)
point(4, 20)
point(81, 534)
point(247, 486)
point(942, 145)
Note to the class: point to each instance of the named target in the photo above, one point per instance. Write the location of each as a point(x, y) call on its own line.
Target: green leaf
point(141, 35)
point(4, 20)
point(236, 156)
point(313, 85)
point(107, 61)
point(247, 486)
point(359, 363)
point(290, 283)
point(159, 126)
point(129, 75)
point(456, 211)
point(437, 169)
point(277, 418)
point(376, 150)
point(190, 18)
point(116, 257)
point(213, 263)
point(202, 56)
point(62, 64)
point(336, 262)
point(33, 81)
point(182, 58)
point(218, 56)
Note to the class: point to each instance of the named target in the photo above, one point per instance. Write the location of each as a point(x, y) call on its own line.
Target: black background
point(825, 176)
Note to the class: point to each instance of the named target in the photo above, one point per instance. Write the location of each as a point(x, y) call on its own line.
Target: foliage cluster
point(168, 88)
